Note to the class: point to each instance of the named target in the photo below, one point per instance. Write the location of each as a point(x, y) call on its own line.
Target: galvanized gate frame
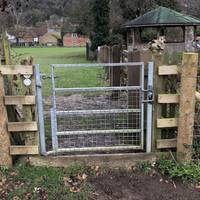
point(150, 100)
point(39, 99)
point(53, 110)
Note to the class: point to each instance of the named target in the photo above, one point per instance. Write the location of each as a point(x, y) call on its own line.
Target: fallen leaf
point(28, 196)
point(67, 181)
point(97, 168)
point(174, 184)
point(82, 177)
point(13, 174)
point(75, 189)
point(16, 198)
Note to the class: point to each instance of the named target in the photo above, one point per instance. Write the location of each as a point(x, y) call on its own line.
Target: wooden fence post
point(157, 108)
point(115, 71)
point(104, 54)
point(5, 157)
point(187, 106)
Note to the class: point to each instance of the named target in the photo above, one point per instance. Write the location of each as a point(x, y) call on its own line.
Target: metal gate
point(99, 117)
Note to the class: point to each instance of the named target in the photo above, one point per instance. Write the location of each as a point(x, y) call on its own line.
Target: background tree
point(132, 9)
point(100, 13)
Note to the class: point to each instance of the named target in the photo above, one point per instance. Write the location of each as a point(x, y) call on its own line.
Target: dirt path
point(137, 186)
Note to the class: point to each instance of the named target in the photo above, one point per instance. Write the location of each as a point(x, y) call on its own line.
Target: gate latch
point(149, 95)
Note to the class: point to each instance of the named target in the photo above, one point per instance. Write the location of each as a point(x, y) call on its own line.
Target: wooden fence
point(185, 98)
point(180, 106)
point(180, 121)
point(23, 105)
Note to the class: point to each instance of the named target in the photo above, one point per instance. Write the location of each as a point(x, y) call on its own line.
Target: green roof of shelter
point(162, 16)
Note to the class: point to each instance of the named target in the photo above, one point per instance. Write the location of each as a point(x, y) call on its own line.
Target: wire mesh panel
point(100, 116)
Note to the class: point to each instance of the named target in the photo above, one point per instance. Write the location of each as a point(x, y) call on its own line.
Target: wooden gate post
point(187, 106)
point(115, 71)
point(157, 108)
point(5, 157)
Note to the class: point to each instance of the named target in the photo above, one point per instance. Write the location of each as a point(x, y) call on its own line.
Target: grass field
point(54, 55)
point(64, 77)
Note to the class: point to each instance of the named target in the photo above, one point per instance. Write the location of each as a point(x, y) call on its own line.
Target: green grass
point(64, 77)
point(55, 55)
point(40, 181)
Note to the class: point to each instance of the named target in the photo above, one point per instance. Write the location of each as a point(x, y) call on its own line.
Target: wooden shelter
point(179, 30)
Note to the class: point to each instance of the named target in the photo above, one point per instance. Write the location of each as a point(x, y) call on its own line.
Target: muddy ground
point(140, 186)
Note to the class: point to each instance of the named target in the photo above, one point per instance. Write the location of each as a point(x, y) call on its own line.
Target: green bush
point(196, 148)
point(188, 172)
point(114, 39)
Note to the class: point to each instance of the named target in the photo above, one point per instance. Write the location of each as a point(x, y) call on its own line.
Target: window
point(74, 35)
point(174, 34)
point(148, 34)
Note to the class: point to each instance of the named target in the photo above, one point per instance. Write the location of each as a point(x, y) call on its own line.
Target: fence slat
point(22, 126)
point(167, 143)
point(24, 150)
point(168, 70)
point(167, 123)
point(16, 69)
point(168, 98)
point(19, 100)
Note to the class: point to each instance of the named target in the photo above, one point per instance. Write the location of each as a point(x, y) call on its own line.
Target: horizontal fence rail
point(98, 65)
point(97, 89)
point(90, 112)
point(98, 132)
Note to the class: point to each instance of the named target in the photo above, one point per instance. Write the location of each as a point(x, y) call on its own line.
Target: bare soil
point(140, 186)
point(84, 102)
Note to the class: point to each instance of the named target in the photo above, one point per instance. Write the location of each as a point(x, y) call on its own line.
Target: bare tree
point(191, 7)
point(17, 10)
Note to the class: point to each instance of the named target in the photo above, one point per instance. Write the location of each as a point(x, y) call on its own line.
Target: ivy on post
point(187, 106)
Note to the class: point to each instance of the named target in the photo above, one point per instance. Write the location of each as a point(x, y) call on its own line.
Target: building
point(50, 39)
point(26, 36)
point(73, 39)
point(178, 29)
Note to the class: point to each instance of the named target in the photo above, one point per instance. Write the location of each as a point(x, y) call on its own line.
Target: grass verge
point(25, 182)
